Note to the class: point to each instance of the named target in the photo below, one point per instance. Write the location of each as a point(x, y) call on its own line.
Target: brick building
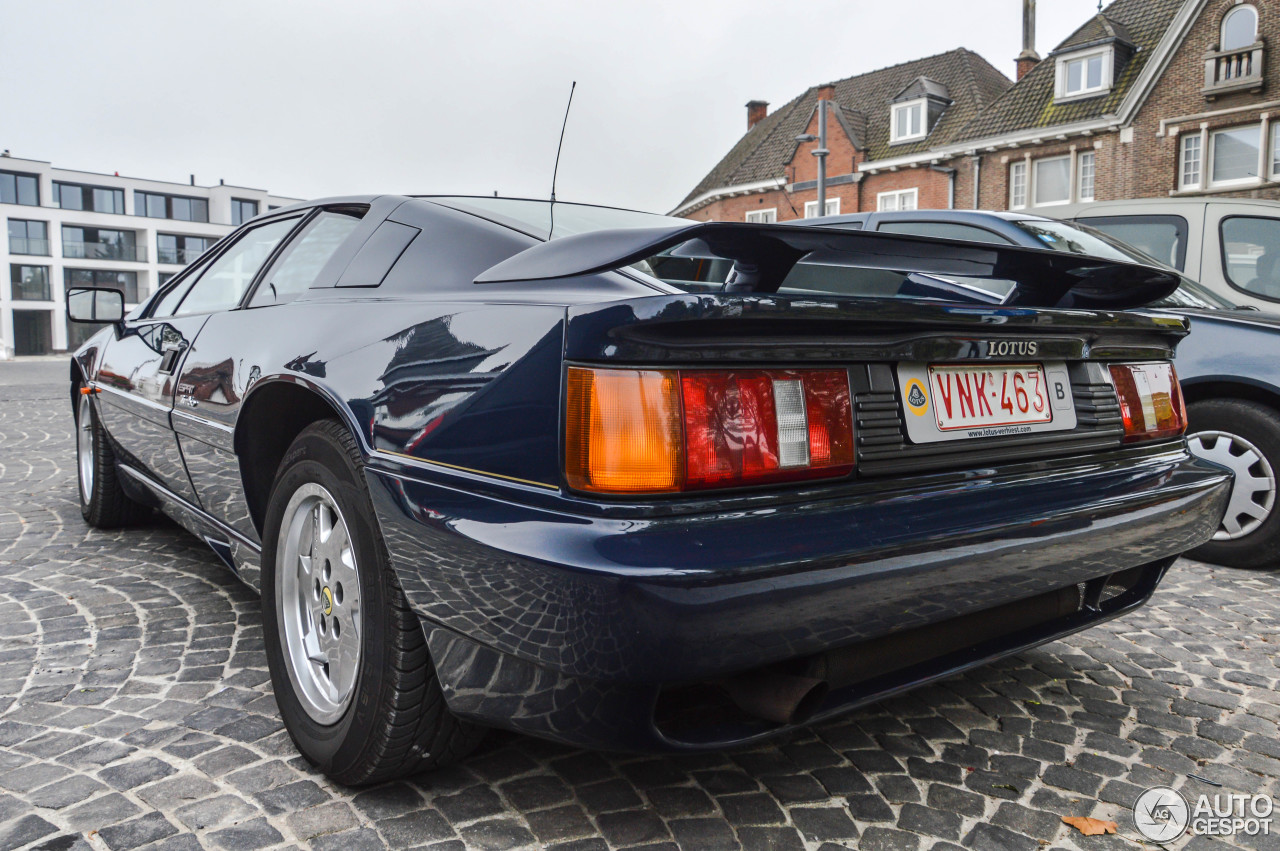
point(1148, 98)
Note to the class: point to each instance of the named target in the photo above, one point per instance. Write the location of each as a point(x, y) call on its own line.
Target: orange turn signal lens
point(623, 431)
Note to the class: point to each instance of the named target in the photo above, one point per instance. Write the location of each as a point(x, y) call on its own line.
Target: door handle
point(169, 360)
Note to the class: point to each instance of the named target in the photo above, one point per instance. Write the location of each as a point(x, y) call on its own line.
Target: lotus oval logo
point(917, 399)
point(1161, 814)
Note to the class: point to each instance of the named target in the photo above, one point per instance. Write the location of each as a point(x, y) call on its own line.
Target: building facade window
point(900, 199)
point(125, 281)
point(763, 217)
point(1051, 181)
point(908, 122)
point(1189, 167)
point(97, 199)
point(242, 210)
point(811, 208)
point(1018, 185)
point(28, 237)
point(1085, 165)
point(1084, 74)
point(101, 244)
point(29, 283)
point(1239, 28)
point(18, 188)
point(180, 249)
point(163, 278)
point(179, 207)
point(1234, 155)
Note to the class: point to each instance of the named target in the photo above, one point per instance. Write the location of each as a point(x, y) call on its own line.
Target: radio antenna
point(556, 171)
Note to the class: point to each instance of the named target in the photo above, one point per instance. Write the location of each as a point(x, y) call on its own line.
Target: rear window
point(1251, 255)
point(1161, 237)
point(944, 230)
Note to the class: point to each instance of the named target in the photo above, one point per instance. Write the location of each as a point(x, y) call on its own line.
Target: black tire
point(1259, 425)
point(397, 723)
point(105, 504)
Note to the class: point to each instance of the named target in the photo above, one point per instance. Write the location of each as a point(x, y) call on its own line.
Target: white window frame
point(923, 103)
point(1035, 164)
point(811, 208)
point(1222, 28)
point(1019, 168)
point(1108, 69)
point(1273, 152)
point(1207, 162)
point(898, 195)
point(767, 216)
point(1083, 157)
point(1183, 145)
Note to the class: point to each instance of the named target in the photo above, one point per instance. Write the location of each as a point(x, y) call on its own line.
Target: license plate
point(967, 397)
point(953, 402)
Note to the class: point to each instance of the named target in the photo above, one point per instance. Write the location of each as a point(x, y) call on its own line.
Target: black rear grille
point(883, 447)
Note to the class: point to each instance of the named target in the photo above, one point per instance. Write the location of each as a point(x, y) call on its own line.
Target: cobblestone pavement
point(135, 710)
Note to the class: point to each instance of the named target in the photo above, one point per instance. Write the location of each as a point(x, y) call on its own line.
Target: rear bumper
point(568, 626)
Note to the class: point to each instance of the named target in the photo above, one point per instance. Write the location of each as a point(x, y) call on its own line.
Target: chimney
point(1028, 58)
point(756, 111)
point(827, 91)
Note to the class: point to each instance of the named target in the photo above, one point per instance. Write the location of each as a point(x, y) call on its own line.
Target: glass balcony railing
point(31, 290)
point(178, 256)
point(28, 245)
point(103, 251)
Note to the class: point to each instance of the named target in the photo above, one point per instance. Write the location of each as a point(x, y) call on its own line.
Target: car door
point(233, 349)
point(139, 374)
point(1241, 259)
point(136, 390)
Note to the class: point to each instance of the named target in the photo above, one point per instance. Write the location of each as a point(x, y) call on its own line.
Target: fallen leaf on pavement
point(1090, 826)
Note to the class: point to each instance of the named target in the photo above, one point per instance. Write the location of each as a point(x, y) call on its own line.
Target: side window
point(303, 258)
point(1161, 237)
point(1251, 255)
point(224, 281)
point(944, 230)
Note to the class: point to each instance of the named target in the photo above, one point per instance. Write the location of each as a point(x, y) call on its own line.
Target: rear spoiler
point(764, 254)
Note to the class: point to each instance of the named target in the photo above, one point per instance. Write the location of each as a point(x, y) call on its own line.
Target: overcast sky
point(316, 97)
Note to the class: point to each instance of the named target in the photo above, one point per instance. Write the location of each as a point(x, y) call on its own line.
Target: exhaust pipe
point(781, 698)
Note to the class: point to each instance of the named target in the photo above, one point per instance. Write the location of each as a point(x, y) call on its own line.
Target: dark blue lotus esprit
point(486, 478)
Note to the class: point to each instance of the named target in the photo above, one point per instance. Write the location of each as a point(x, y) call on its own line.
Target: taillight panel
point(1151, 401)
point(662, 431)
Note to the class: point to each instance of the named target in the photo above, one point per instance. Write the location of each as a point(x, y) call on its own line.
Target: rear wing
point(763, 255)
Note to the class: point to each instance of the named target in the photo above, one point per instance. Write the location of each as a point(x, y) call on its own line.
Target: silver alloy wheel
point(318, 596)
point(1252, 496)
point(85, 450)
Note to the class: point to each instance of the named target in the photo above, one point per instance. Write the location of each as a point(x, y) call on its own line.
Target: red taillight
point(1150, 400)
point(730, 428)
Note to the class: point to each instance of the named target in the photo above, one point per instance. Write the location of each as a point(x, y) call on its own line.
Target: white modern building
point(68, 227)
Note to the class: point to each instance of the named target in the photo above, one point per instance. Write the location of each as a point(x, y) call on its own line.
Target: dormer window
point(1085, 74)
point(908, 121)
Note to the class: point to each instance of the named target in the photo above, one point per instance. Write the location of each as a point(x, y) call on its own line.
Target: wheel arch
point(1231, 387)
point(273, 414)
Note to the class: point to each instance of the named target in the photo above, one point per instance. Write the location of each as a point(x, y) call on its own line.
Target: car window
point(303, 258)
point(1251, 254)
point(1162, 237)
point(944, 230)
point(225, 281)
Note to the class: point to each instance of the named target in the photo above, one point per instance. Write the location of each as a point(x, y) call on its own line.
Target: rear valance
point(763, 255)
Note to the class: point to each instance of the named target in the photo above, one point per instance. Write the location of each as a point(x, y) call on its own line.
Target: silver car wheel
point(86, 452)
point(1253, 494)
point(318, 593)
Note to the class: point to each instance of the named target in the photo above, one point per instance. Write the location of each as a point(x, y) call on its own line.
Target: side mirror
point(95, 304)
